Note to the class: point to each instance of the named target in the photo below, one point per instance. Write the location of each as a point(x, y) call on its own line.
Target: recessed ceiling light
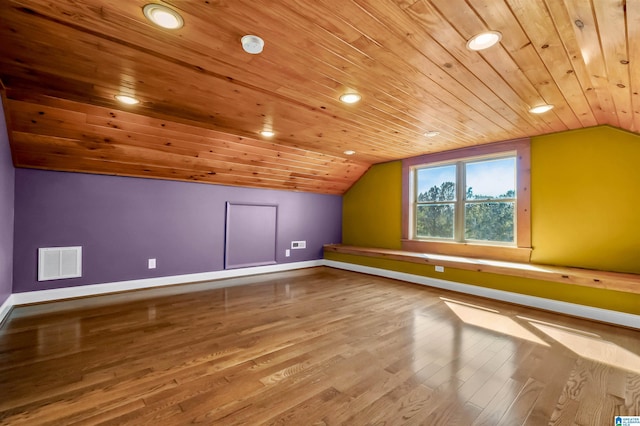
point(267, 133)
point(484, 40)
point(129, 100)
point(432, 134)
point(541, 109)
point(350, 98)
point(349, 152)
point(252, 44)
point(163, 16)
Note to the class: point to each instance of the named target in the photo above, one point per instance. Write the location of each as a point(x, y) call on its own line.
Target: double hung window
point(467, 200)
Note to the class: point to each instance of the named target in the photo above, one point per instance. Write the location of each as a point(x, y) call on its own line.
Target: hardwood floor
point(311, 347)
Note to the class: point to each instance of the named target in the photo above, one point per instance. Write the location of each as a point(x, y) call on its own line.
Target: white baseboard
point(5, 308)
point(598, 314)
point(119, 286)
point(604, 315)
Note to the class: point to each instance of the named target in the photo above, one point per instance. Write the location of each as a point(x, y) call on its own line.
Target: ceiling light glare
point(432, 134)
point(267, 133)
point(350, 98)
point(540, 109)
point(252, 44)
point(349, 152)
point(125, 99)
point(484, 40)
point(163, 16)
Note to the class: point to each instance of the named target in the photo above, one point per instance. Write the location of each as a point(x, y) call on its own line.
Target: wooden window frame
point(521, 251)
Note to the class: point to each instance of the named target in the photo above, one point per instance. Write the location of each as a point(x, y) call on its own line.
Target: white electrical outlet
point(287, 252)
point(295, 245)
point(439, 268)
point(152, 264)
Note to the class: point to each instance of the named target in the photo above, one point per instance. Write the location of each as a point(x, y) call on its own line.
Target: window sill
point(506, 253)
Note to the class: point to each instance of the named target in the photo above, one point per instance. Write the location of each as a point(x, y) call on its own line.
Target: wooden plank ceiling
point(204, 100)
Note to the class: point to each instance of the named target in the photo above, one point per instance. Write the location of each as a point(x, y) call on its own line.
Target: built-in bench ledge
point(619, 281)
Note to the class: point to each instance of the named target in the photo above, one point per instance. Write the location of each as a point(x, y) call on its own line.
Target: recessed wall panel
point(251, 231)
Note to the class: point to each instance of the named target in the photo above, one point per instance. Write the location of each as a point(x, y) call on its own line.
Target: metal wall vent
point(55, 263)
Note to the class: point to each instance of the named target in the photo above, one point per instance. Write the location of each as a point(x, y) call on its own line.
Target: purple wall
point(6, 211)
point(121, 222)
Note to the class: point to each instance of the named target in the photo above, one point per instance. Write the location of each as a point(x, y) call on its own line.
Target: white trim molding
point(6, 307)
point(588, 312)
point(582, 311)
point(41, 296)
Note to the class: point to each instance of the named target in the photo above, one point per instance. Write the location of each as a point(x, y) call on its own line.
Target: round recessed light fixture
point(252, 44)
point(163, 16)
point(540, 109)
point(349, 152)
point(484, 40)
point(267, 133)
point(350, 98)
point(125, 99)
point(431, 134)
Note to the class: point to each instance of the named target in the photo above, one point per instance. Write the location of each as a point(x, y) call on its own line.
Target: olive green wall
point(585, 210)
point(585, 199)
point(372, 208)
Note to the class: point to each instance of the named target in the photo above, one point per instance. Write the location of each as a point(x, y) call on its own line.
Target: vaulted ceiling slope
point(203, 100)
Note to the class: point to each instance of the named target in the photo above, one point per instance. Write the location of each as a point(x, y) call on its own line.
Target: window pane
point(489, 221)
point(491, 179)
point(435, 220)
point(437, 184)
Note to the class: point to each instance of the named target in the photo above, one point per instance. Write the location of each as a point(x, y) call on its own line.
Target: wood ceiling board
point(168, 85)
point(407, 81)
point(227, 94)
point(633, 32)
point(52, 160)
point(40, 131)
point(407, 58)
point(565, 28)
point(536, 22)
point(612, 29)
point(49, 121)
point(112, 151)
point(443, 62)
point(517, 66)
point(420, 70)
point(449, 37)
point(588, 39)
point(103, 142)
point(168, 129)
point(531, 35)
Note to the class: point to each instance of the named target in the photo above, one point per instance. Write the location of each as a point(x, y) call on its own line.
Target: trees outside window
point(467, 200)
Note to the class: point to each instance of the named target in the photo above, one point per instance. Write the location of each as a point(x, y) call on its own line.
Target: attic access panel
point(250, 236)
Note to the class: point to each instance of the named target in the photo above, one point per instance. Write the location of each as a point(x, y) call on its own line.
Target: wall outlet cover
point(439, 268)
point(287, 253)
point(152, 264)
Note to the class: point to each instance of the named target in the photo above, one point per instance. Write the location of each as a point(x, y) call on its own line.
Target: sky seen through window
point(488, 177)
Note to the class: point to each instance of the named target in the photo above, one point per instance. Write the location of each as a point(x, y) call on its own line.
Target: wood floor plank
point(553, 378)
point(318, 346)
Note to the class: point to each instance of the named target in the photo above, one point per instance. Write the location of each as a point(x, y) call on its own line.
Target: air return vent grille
point(55, 263)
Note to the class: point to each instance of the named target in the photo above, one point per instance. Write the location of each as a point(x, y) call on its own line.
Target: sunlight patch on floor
point(492, 320)
point(590, 346)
